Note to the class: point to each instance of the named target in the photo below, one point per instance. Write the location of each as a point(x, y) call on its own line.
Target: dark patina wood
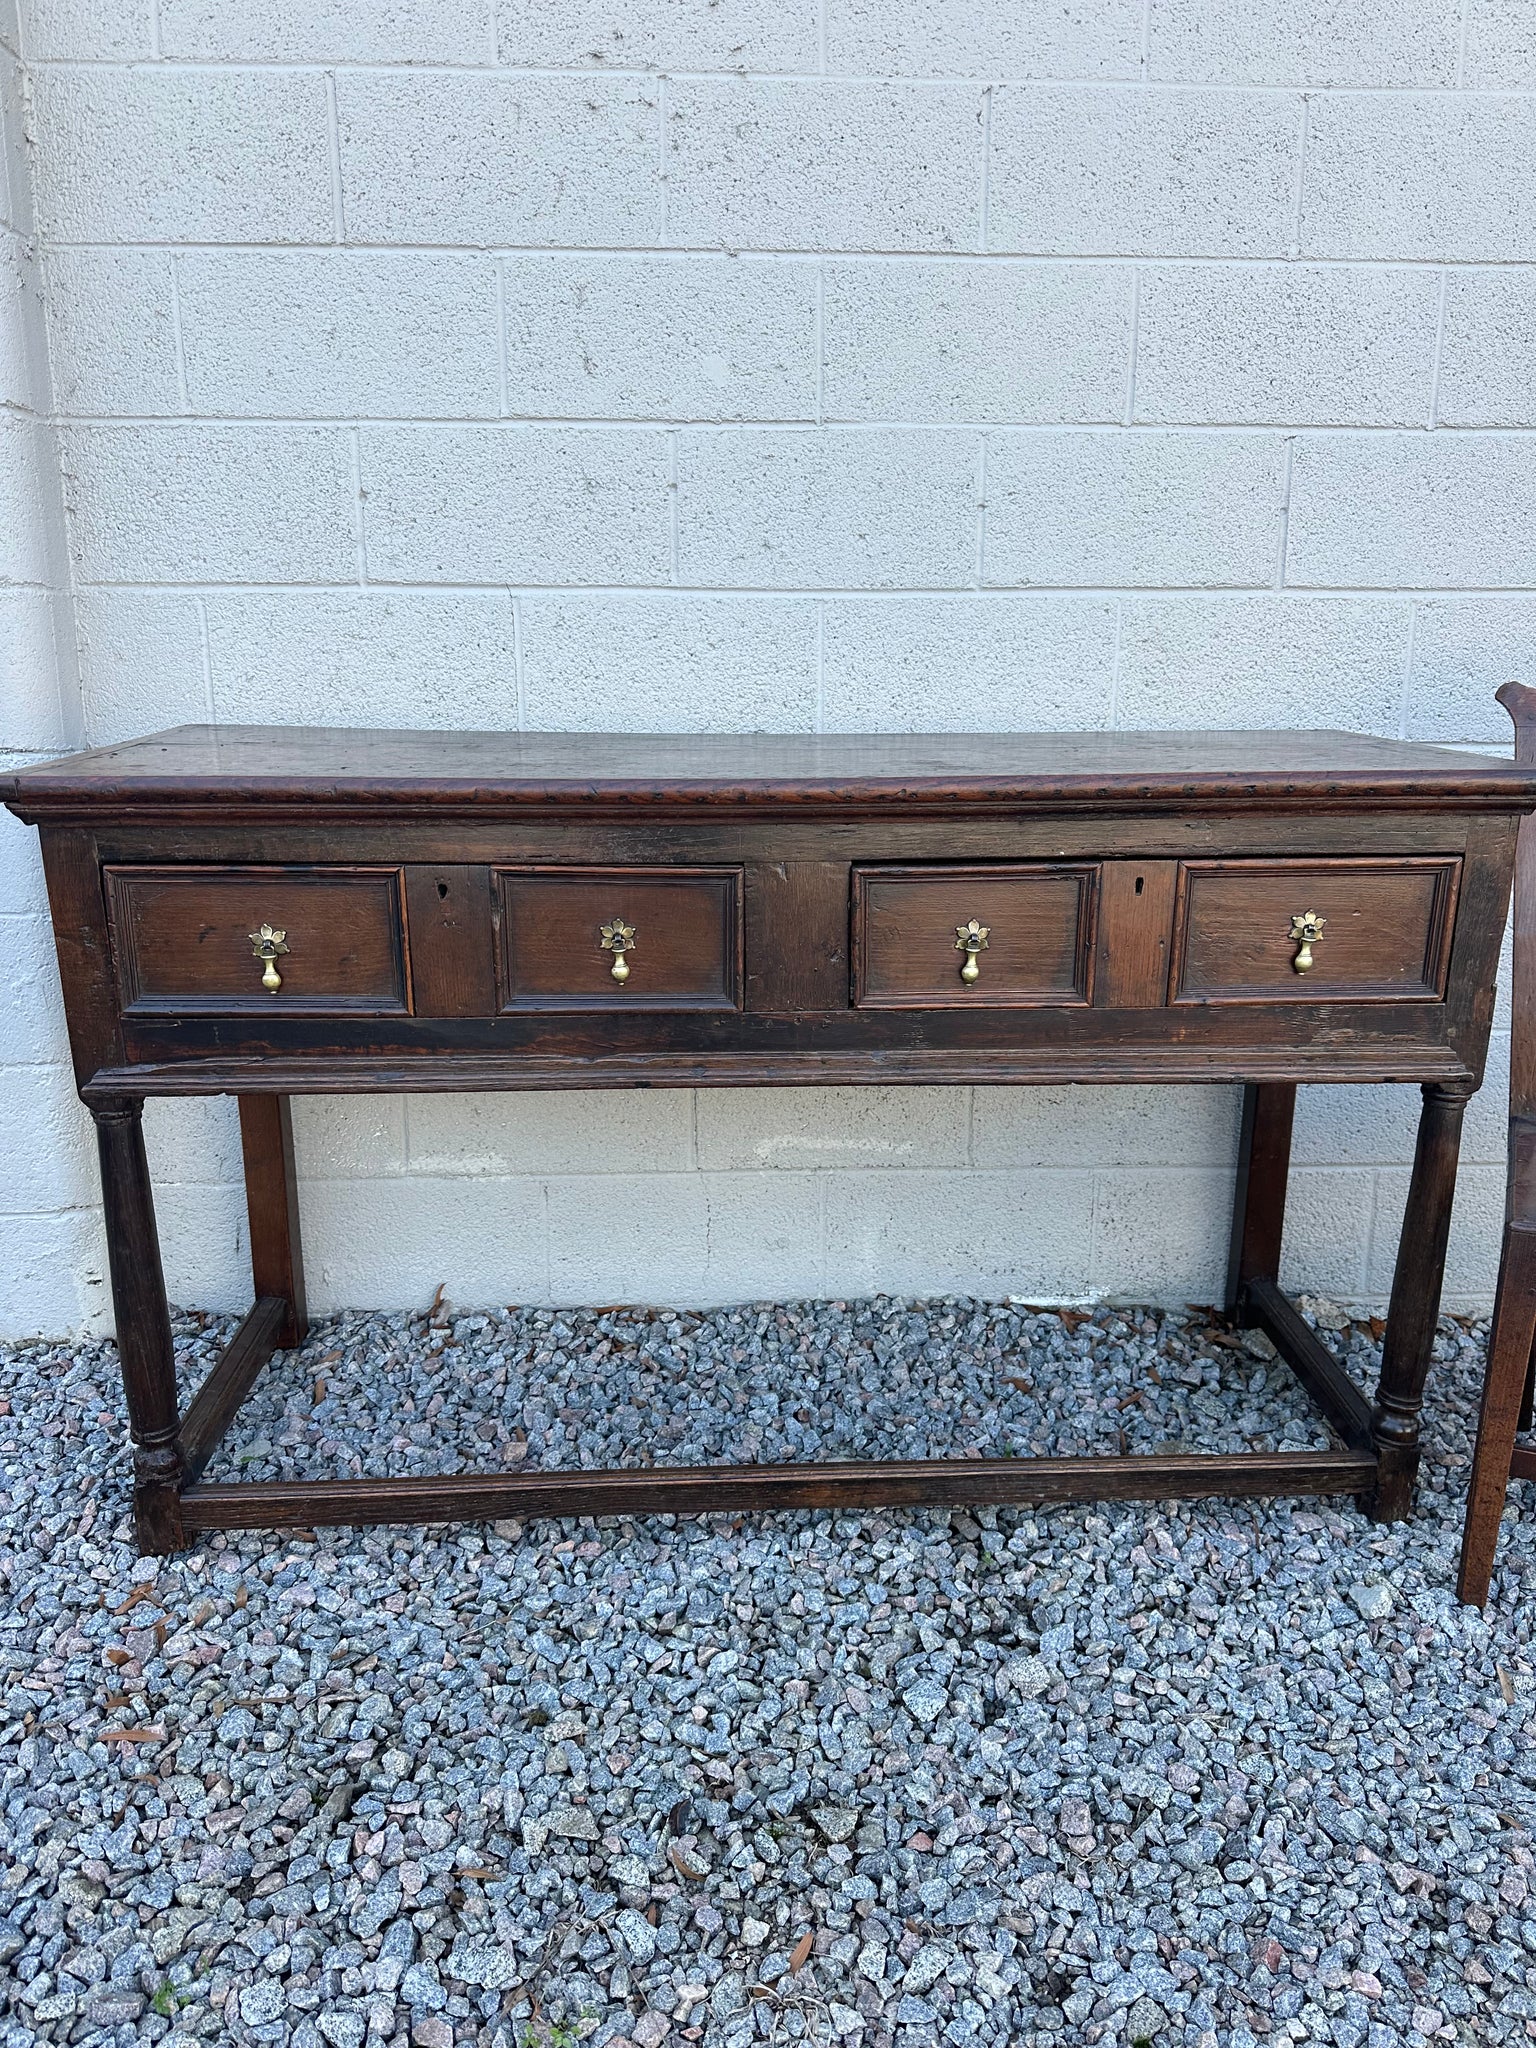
point(272, 1209)
point(1258, 1205)
point(1506, 1403)
point(788, 908)
point(143, 1325)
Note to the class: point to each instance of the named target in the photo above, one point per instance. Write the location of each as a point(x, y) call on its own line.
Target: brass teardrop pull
point(618, 938)
point(266, 943)
point(971, 939)
point(1306, 930)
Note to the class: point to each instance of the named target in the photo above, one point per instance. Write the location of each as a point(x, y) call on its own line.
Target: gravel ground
point(1206, 1774)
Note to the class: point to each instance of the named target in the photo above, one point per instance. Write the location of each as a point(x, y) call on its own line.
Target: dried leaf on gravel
point(800, 1954)
point(1506, 1686)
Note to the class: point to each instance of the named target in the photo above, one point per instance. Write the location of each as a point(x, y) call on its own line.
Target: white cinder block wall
point(52, 1259)
point(779, 364)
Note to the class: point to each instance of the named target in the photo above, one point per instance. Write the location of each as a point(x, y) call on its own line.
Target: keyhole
point(1141, 883)
point(442, 890)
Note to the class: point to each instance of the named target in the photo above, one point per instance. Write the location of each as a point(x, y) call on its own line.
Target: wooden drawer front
point(182, 939)
point(686, 952)
point(1386, 932)
point(906, 921)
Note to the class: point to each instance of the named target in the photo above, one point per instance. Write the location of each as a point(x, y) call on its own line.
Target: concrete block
point(1328, 1214)
point(513, 504)
point(1488, 349)
point(978, 662)
point(111, 334)
point(22, 893)
point(84, 31)
point(1429, 176)
point(341, 334)
point(26, 457)
point(329, 31)
point(823, 164)
point(151, 155)
point(204, 1245)
point(335, 1137)
point(141, 663)
point(975, 1233)
point(660, 338)
point(957, 340)
point(1463, 649)
point(1304, 42)
point(31, 713)
point(1124, 508)
point(611, 1240)
point(487, 160)
point(394, 658)
point(194, 1141)
point(1248, 344)
point(1501, 50)
point(1264, 660)
point(10, 27)
point(210, 503)
point(15, 146)
point(55, 1270)
point(679, 35)
point(826, 510)
point(1108, 1128)
point(803, 1128)
point(349, 1137)
point(31, 1008)
point(18, 377)
point(1349, 1126)
point(985, 38)
point(48, 1142)
point(1090, 170)
point(1472, 1257)
point(763, 1238)
point(577, 1131)
point(391, 1244)
point(1426, 511)
point(1161, 1236)
point(672, 662)
point(1485, 1131)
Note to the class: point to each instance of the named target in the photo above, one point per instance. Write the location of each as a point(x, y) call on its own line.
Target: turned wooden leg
point(1415, 1305)
point(272, 1203)
point(1258, 1210)
point(143, 1326)
point(1509, 1351)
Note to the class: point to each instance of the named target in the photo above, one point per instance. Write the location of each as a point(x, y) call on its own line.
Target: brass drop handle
point(266, 944)
point(618, 939)
point(971, 939)
point(1306, 930)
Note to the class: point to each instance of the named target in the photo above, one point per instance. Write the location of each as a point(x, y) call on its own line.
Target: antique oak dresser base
point(266, 913)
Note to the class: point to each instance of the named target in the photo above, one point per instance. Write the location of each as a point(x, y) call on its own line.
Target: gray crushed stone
point(1212, 1773)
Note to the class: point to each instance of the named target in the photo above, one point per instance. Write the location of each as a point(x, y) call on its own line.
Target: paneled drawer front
point(1383, 930)
point(185, 939)
point(1033, 942)
point(566, 932)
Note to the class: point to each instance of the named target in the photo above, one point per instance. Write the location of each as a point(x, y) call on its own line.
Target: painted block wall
point(774, 365)
point(52, 1254)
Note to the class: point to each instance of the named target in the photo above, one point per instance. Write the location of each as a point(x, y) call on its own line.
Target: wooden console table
point(269, 912)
